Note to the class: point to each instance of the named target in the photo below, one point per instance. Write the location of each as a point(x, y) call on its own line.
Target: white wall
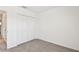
point(37, 27)
point(10, 21)
point(60, 26)
point(25, 25)
point(20, 28)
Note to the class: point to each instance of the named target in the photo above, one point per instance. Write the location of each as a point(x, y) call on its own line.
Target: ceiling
point(39, 9)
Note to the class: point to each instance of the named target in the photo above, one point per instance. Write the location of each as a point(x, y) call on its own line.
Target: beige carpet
point(39, 46)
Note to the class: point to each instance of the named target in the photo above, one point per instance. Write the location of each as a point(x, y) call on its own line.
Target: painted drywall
point(19, 28)
point(60, 26)
point(37, 27)
point(25, 25)
point(10, 21)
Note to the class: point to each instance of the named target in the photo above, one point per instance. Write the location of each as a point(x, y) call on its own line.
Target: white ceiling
point(39, 9)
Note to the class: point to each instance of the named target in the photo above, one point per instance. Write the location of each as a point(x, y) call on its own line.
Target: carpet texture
point(38, 46)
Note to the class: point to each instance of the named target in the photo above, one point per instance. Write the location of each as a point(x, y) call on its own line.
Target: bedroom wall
point(60, 26)
point(11, 25)
point(25, 25)
point(20, 28)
